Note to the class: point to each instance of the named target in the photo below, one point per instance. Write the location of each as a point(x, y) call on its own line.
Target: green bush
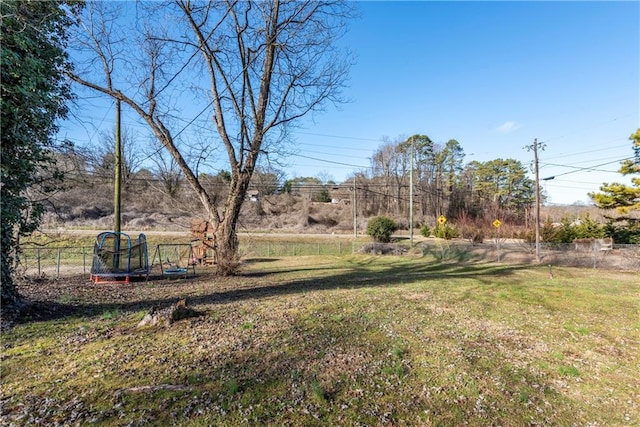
point(381, 228)
point(623, 233)
point(588, 228)
point(445, 231)
point(567, 230)
point(562, 232)
point(323, 196)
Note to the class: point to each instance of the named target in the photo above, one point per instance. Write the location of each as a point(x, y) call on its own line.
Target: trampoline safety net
point(115, 258)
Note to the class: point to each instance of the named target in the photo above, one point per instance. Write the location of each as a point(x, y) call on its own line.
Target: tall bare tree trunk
point(227, 256)
point(269, 64)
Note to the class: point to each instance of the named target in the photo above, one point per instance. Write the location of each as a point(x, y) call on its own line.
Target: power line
point(577, 182)
point(586, 128)
point(339, 136)
point(334, 154)
point(332, 162)
point(564, 155)
point(572, 187)
point(582, 162)
point(589, 168)
point(337, 147)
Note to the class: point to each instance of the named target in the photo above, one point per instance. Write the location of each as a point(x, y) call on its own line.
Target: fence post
point(84, 262)
point(38, 256)
point(58, 265)
point(595, 255)
point(339, 248)
point(318, 248)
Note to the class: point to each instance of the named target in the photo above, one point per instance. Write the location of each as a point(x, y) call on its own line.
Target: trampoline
point(116, 259)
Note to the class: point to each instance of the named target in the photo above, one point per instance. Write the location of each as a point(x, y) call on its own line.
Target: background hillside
point(150, 209)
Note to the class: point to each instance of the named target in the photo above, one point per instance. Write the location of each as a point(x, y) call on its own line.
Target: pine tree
point(624, 198)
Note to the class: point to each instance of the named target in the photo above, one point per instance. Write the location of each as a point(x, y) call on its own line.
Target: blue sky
point(492, 75)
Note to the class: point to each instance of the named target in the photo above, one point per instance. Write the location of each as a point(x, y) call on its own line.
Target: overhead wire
point(353, 165)
point(588, 168)
point(192, 122)
point(581, 162)
point(332, 162)
point(189, 123)
point(339, 136)
point(546, 141)
point(608, 148)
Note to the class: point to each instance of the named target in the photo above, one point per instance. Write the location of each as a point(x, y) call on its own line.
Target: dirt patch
point(50, 299)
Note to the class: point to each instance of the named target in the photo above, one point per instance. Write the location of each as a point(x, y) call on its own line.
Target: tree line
point(442, 183)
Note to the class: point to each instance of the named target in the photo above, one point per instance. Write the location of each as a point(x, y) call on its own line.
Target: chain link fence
point(48, 262)
point(615, 257)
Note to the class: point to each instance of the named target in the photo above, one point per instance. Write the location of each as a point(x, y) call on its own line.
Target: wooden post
point(118, 172)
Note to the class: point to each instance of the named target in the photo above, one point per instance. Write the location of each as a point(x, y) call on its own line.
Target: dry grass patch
point(357, 340)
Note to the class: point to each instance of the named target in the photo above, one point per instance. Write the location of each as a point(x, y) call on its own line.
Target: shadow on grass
point(261, 373)
point(360, 273)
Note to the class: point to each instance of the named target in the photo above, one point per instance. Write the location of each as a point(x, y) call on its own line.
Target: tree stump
point(167, 316)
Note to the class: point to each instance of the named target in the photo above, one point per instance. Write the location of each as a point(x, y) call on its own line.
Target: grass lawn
point(356, 340)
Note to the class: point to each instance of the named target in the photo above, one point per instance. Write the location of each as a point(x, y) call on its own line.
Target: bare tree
point(169, 175)
point(391, 165)
point(268, 64)
point(166, 177)
point(384, 164)
point(267, 180)
point(101, 158)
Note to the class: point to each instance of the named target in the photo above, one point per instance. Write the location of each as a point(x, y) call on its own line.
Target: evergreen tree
point(381, 228)
point(34, 95)
point(624, 198)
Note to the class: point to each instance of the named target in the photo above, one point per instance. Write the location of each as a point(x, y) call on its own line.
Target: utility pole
point(118, 172)
point(534, 147)
point(355, 209)
point(411, 198)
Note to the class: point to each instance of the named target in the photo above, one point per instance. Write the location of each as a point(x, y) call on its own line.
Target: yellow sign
point(497, 223)
point(442, 220)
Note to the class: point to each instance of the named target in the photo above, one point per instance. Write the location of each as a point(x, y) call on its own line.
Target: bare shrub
point(275, 205)
point(275, 222)
point(470, 229)
point(141, 223)
point(509, 230)
point(382, 249)
point(323, 219)
point(402, 223)
point(303, 213)
point(344, 225)
point(88, 212)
